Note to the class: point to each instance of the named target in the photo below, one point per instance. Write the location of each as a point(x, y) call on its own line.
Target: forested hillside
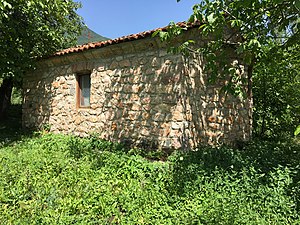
point(88, 35)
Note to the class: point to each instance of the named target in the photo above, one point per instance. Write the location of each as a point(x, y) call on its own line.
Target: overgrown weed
point(57, 179)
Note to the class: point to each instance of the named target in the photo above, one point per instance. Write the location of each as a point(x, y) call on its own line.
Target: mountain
point(88, 35)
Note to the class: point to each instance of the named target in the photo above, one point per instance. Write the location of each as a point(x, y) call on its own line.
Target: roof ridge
point(130, 37)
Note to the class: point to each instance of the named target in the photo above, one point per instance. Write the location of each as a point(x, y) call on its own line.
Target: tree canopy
point(30, 29)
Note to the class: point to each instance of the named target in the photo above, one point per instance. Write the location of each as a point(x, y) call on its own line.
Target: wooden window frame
point(79, 90)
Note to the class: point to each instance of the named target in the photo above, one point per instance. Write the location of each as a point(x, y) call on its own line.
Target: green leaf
point(297, 4)
point(211, 18)
point(236, 23)
point(7, 5)
point(297, 131)
point(254, 43)
point(156, 33)
point(163, 35)
point(278, 1)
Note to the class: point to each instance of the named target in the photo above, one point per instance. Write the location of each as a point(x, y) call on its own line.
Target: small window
point(83, 90)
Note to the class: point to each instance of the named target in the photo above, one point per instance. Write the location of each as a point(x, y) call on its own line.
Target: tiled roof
point(131, 37)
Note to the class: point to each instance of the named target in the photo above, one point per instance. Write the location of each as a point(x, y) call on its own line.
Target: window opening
point(84, 90)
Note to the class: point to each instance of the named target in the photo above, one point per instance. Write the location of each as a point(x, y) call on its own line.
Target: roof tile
point(131, 37)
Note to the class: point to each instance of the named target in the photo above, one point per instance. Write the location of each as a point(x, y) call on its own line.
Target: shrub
point(56, 179)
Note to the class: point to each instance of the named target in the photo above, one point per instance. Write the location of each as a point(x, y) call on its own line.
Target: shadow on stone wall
point(41, 89)
point(171, 106)
point(37, 102)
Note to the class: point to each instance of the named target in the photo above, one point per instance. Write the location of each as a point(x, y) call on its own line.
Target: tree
point(30, 29)
point(276, 92)
point(269, 36)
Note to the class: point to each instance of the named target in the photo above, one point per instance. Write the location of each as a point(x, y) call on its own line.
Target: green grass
point(56, 179)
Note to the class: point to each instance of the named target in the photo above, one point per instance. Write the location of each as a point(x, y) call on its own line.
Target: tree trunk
point(5, 96)
point(264, 105)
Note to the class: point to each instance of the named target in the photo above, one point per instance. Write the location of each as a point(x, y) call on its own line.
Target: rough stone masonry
point(139, 92)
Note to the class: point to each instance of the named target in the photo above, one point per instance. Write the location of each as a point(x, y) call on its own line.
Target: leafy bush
point(56, 179)
point(16, 96)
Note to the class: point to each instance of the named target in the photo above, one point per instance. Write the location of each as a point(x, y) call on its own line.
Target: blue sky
point(116, 18)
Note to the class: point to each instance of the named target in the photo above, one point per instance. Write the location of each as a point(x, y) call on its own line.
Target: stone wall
point(139, 92)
